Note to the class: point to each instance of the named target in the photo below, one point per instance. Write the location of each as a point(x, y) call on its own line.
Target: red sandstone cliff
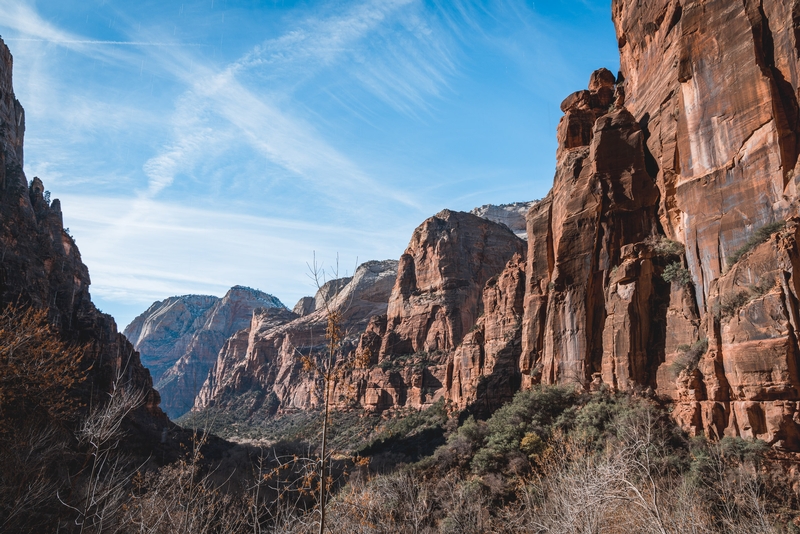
point(634, 276)
point(700, 148)
point(631, 278)
point(436, 301)
point(715, 85)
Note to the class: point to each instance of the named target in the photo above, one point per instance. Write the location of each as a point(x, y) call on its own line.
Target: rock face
point(602, 202)
point(633, 278)
point(163, 332)
point(484, 372)
point(40, 265)
point(635, 275)
point(511, 215)
point(714, 86)
point(662, 259)
point(747, 383)
point(434, 306)
point(179, 339)
point(304, 306)
point(436, 298)
point(263, 362)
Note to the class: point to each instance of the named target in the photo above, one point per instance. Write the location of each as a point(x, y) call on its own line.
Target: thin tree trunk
point(324, 452)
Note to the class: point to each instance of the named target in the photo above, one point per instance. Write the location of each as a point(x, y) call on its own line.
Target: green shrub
point(676, 272)
point(520, 433)
point(533, 411)
point(664, 247)
point(731, 303)
point(271, 404)
point(590, 424)
point(418, 360)
point(690, 356)
point(758, 237)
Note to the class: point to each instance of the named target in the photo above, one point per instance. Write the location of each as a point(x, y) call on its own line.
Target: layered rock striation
point(163, 332)
point(714, 86)
point(179, 339)
point(434, 305)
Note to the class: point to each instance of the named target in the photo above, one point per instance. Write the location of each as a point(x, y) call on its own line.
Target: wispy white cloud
point(276, 133)
point(25, 21)
point(316, 42)
point(172, 249)
point(349, 126)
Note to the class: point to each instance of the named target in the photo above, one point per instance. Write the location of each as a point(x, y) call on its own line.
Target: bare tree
point(108, 471)
point(330, 366)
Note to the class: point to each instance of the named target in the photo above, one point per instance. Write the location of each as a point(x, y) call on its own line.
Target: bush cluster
point(730, 303)
point(690, 356)
point(758, 237)
point(676, 272)
point(664, 247)
point(554, 459)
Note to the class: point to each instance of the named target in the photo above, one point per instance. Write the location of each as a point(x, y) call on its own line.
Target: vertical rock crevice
point(784, 98)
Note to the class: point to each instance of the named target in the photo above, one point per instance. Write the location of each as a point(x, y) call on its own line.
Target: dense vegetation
point(555, 459)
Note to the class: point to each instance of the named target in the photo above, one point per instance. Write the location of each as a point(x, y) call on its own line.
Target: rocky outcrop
point(263, 363)
point(182, 336)
point(304, 306)
point(434, 306)
point(325, 293)
point(583, 297)
point(747, 383)
point(163, 332)
point(635, 275)
point(484, 372)
point(511, 215)
point(40, 265)
point(436, 298)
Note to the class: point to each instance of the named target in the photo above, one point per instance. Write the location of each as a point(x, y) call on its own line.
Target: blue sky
point(196, 145)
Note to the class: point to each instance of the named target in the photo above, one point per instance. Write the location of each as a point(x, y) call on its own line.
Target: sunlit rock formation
point(179, 339)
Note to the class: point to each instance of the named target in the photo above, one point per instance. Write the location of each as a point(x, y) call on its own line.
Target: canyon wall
point(661, 261)
point(434, 306)
point(262, 366)
point(715, 86)
point(179, 339)
point(162, 333)
point(663, 258)
point(40, 266)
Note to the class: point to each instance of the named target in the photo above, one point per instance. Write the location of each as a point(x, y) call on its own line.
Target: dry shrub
point(39, 372)
point(38, 376)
